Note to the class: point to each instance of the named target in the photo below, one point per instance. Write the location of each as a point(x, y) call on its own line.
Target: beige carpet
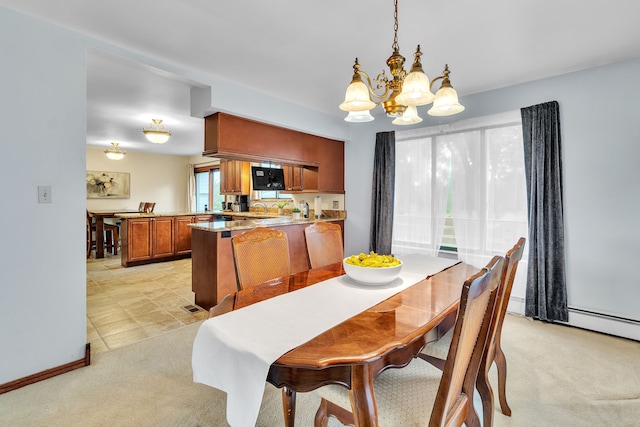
point(558, 376)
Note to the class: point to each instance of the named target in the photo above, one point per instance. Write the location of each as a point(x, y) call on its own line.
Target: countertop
point(126, 215)
point(218, 226)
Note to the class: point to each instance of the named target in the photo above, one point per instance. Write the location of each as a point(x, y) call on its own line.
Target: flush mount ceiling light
point(115, 152)
point(402, 92)
point(156, 132)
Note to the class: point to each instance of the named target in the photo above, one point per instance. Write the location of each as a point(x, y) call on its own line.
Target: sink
point(278, 220)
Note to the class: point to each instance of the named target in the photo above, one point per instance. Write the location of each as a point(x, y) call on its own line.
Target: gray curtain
point(384, 174)
point(546, 294)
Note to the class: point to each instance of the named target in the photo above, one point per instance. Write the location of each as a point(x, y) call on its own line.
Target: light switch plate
point(44, 194)
point(336, 204)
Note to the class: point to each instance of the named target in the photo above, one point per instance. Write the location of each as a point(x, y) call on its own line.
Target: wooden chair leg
point(486, 394)
point(329, 409)
point(501, 365)
point(438, 363)
point(116, 238)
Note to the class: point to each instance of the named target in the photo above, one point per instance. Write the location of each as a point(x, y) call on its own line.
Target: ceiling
point(303, 52)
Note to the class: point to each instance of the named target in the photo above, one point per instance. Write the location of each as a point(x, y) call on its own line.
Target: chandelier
point(403, 92)
point(156, 132)
point(115, 152)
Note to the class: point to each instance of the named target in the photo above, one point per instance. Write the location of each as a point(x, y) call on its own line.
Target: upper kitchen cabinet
point(300, 179)
point(235, 176)
point(231, 137)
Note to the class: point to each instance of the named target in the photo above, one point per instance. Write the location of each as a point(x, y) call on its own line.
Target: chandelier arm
point(433, 81)
point(370, 88)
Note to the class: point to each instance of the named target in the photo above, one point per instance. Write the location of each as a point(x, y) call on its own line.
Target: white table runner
point(233, 352)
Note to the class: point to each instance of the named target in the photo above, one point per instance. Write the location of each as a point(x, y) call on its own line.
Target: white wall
point(154, 178)
point(42, 256)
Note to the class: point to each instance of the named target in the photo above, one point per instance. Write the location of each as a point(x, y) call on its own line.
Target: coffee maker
point(244, 203)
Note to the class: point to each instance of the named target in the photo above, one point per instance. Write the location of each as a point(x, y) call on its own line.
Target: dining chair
point(324, 243)
point(91, 229)
point(149, 206)
point(433, 353)
point(259, 255)
point(420, 391)
point(141, 206)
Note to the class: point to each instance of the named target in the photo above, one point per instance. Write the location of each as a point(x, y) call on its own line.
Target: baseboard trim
point(49, 373)
point(591, 320)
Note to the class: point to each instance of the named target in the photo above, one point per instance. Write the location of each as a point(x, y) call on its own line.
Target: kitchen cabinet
point(235, 177)
point(292, 178)
point(137, 240)
point(162, 235)
point(300, 179)
point(148, 239)
point(322, 159)
point(183, 231)
point(183, 234)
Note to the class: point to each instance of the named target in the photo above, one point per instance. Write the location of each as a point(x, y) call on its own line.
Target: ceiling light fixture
point(156, 132)
point(402, 93)
point(115, 152)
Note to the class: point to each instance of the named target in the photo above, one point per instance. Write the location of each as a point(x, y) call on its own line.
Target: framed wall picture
point(107, 185)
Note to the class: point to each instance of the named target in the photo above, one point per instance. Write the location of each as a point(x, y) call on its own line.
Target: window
point(208, 188)
point(461, 188)
point(272, 194)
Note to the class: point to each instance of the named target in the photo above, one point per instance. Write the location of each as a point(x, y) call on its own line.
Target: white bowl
point(372, 275)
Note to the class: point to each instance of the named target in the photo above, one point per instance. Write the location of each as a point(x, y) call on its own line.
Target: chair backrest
point(259, 255)
point(141, 206)
point(467, 345)
point(512, 258)
point(324, 243)
point(149, 206)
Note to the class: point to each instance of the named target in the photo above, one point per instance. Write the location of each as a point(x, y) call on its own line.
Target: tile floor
point(126, 305)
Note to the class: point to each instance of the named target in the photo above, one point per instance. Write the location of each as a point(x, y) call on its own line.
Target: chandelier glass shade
point(156, 132)
point(399, 92)
point(115, 152)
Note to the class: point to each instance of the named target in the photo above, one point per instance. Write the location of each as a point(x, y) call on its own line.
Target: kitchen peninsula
point(213, 271)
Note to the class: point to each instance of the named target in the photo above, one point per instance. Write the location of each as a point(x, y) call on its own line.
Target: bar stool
point(112, 237)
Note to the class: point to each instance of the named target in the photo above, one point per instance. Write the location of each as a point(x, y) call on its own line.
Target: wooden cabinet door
point(225, 176)
point(298, 178)
point(163, 240)
point(235, 177)
point(183, 234)
point(139, 239)
point(292, 178)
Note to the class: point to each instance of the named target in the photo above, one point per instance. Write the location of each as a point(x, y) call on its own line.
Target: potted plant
point(281, 206)
point(296, 213)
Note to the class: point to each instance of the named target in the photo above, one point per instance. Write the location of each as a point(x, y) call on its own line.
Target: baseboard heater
point(604, 316)
point(592, 320)
point(49, 373)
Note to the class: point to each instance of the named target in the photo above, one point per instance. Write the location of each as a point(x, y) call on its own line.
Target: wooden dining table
point(354, 352)
point(100, 215)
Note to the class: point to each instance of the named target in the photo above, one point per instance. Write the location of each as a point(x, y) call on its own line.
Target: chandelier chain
point(395, 27)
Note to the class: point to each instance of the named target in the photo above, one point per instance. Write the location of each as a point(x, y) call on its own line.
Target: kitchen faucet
point(261, 204)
